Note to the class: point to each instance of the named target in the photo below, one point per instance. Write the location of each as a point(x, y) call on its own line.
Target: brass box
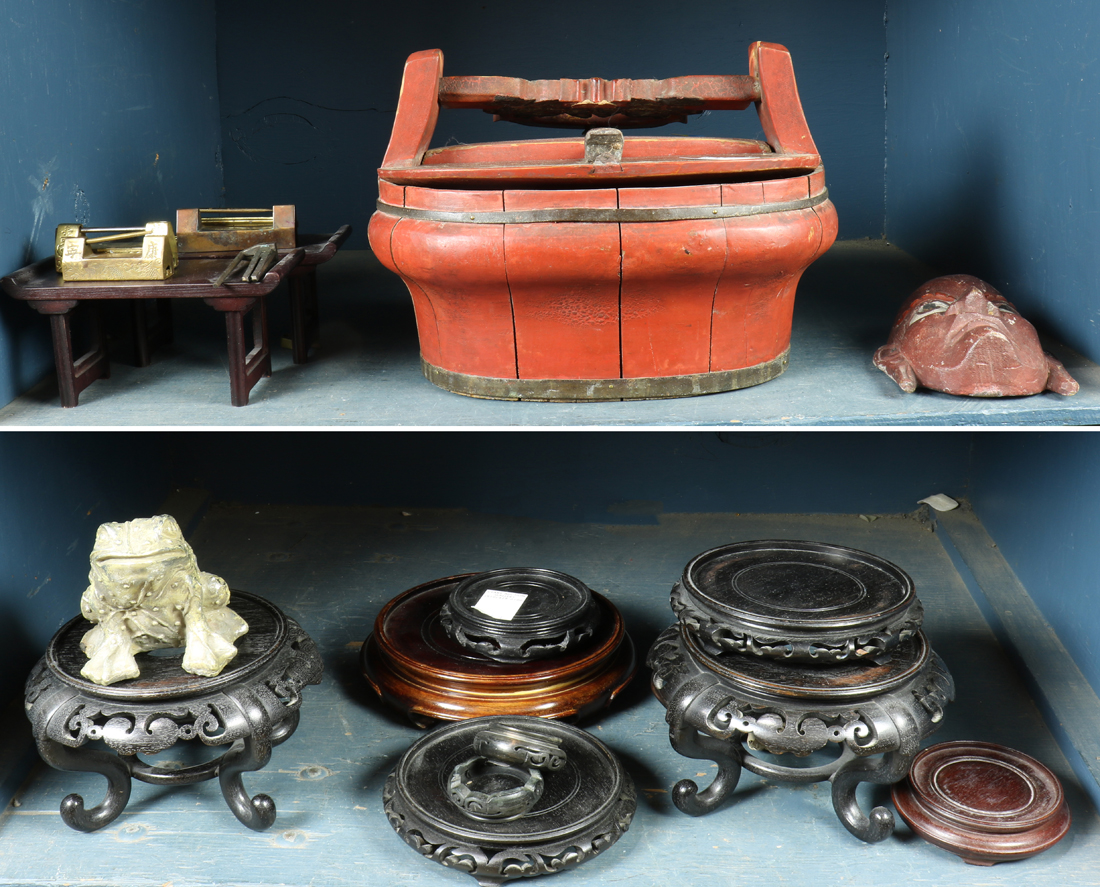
point(231, 230)
point(78, 257)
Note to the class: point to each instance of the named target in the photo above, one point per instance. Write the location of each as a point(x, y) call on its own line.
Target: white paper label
point(500, 604)
point(940, 502)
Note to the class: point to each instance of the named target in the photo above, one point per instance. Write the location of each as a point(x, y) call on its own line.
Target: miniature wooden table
point(250, 707)
point(42, 288)
point(302, 282)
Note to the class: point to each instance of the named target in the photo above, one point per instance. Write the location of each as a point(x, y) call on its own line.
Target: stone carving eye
point(932, 306)
point(1006, 308)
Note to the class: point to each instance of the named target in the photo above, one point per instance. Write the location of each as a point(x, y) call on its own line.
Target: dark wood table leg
point(148, 336)
point(304, 316)
point(73, 376)
point(245, 370)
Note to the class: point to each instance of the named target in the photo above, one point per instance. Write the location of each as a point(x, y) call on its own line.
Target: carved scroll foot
point(73, 813)
point(880, 824)
point(284, 729)
point(692, 744)
point(250, 753)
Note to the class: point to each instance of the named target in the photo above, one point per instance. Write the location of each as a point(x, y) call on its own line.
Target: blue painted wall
point(108, 116)
point(603, 477)
point(1038, 496)
point(994, 151)
point(57, 487)
point(310, 127)
point(1036, 493)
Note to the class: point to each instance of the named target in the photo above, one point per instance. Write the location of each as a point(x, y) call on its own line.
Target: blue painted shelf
point(367, 371)
point(332, 568)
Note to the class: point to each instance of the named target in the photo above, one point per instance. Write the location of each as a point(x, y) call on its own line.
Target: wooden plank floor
point(333, 568)
point(367, 371)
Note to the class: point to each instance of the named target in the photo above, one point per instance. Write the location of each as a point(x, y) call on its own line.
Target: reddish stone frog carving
point(959, 335)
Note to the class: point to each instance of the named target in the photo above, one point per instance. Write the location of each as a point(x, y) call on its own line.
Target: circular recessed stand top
point(518, 615)
point(986, 803)
point(162, 675)
point(585, 802)
point(414, 664)
point(800, 601)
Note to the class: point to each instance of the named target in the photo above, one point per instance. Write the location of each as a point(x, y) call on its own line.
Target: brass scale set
point(255, 235)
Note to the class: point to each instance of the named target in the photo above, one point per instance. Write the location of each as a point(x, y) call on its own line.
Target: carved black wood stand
point(792, 648)
point(509, 797)
point(252, 706)
point(719, 708)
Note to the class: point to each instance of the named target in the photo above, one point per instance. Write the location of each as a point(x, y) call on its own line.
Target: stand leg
point(148, 336)
point(304, 320)
point(62, 757)
point(691, 743)
point(73, 376)
point(283, 730)
point(250, 753)
point(246, 369)
point(879, 825)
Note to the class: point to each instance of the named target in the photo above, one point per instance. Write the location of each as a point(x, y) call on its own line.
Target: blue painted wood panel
point(993, 161)
point(333, 568)
point(310, 127)
point(585, 477)
point(55, 490)
point(1038, 495)
point(108, 117)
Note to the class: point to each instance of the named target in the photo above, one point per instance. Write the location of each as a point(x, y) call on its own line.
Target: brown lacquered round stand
point(413, 664)
point(983, 802)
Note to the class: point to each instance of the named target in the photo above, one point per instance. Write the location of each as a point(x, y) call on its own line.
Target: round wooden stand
point(251, 706)
point(801, 601)
point(790, 648)
point(520, 615)
point(413, 664)
point(983, 802)
point(723, 708)
point(584, 804)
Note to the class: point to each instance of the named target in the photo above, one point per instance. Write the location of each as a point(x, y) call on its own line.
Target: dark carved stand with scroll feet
point(723, 708)
point(252, 706)
point(796, 648)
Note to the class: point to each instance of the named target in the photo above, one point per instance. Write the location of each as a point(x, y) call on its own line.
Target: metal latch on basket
point(603, 145)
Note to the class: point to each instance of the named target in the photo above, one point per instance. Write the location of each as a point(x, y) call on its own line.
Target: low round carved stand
point(983, 802)
point(796, 648)
point(428, 656)
point(251, 706)
point(509, 797)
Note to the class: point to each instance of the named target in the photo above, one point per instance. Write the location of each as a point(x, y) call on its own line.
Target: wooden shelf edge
point(1067, 701)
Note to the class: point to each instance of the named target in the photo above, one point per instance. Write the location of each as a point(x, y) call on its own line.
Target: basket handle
point(770, 84)
point(593, 103)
